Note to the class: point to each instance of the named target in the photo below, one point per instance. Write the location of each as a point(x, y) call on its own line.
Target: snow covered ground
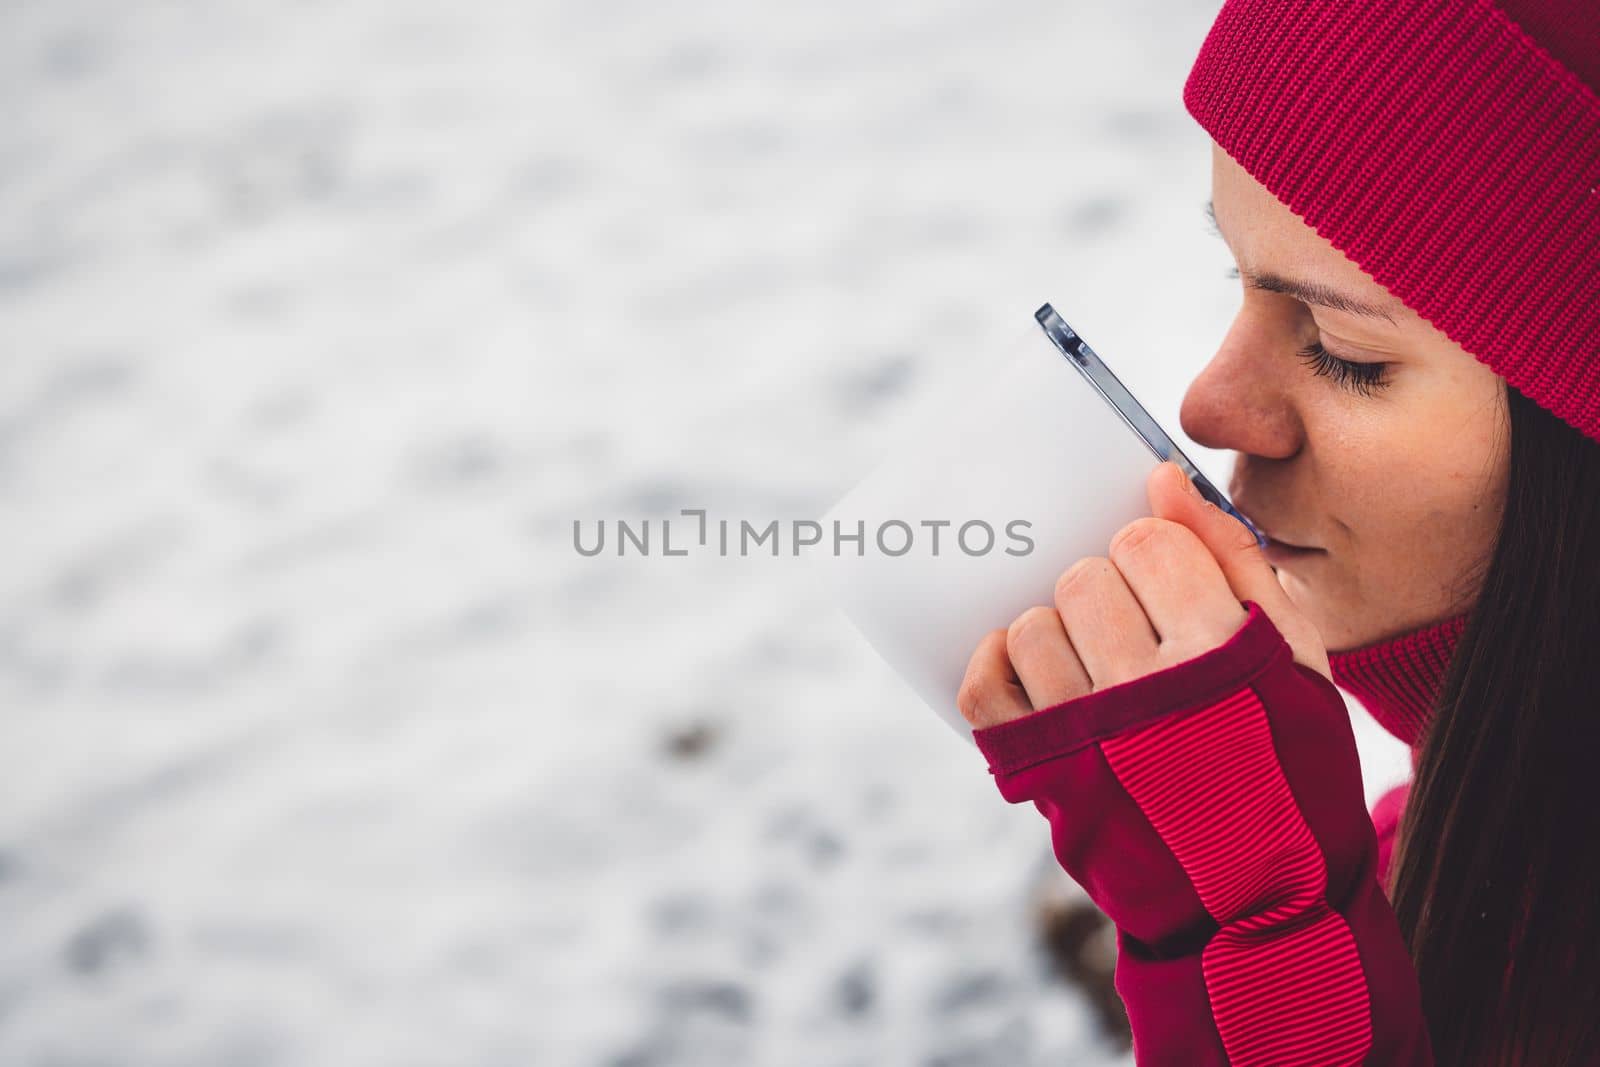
point(320, 322)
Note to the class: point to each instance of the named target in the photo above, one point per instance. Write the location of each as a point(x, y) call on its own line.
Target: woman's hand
point(1169, 591)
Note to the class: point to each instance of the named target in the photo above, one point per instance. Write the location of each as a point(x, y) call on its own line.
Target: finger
point(1103, 619)
point(990, 694)
point(1044, 659)
point(1239, 556)
point(1178, 584)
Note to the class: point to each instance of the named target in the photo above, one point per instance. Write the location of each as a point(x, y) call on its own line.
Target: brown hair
point(1496, 873)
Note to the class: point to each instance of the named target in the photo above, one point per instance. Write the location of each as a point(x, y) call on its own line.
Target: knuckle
point(969, 701)
point(993, 644)
point(1027, 625)
point(1087, 570)
point(1139, 533)
point(973, 692)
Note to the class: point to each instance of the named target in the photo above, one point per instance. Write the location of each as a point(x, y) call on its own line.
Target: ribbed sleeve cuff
point(1188, 686)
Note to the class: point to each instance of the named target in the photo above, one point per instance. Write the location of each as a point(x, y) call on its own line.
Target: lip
point(1276, 548)
point(1279, 552)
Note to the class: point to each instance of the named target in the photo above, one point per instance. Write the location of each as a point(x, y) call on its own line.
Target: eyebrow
point(1308, 292)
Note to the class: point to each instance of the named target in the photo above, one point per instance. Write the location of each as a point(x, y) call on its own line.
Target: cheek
point(1413, 490)
point(1424, 518)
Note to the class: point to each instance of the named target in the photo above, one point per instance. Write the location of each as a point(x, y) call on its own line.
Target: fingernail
point(1189, 486)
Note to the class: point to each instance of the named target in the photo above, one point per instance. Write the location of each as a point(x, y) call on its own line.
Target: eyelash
point(1362, 378)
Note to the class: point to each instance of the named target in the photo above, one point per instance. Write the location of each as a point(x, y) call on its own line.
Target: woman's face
point(1394, 487)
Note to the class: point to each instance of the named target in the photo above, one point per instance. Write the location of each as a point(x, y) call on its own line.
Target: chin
point(1309, 601)
point(1290, 586)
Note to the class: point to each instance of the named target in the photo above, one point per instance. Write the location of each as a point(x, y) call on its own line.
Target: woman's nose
point(1240, 401)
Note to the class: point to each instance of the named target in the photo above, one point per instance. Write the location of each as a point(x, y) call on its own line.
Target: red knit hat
point(1450, 148)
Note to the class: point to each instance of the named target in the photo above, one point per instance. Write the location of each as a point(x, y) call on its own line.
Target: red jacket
point(1214, 811)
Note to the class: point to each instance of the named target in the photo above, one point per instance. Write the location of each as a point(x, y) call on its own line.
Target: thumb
point(1174, 497)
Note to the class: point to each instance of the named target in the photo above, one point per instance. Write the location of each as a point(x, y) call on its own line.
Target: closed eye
point(1363, 378)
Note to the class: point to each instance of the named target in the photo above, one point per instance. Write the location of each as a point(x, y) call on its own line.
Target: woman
point(1411, 192)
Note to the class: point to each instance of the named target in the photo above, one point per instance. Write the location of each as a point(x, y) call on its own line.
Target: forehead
point(1265, 235)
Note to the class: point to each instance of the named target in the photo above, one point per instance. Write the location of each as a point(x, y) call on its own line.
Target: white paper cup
point(1031, 443)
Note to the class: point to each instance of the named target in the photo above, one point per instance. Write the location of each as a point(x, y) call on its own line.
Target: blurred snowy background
point(319, 325)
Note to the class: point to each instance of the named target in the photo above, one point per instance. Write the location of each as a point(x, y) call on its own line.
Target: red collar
point(1397, 679)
